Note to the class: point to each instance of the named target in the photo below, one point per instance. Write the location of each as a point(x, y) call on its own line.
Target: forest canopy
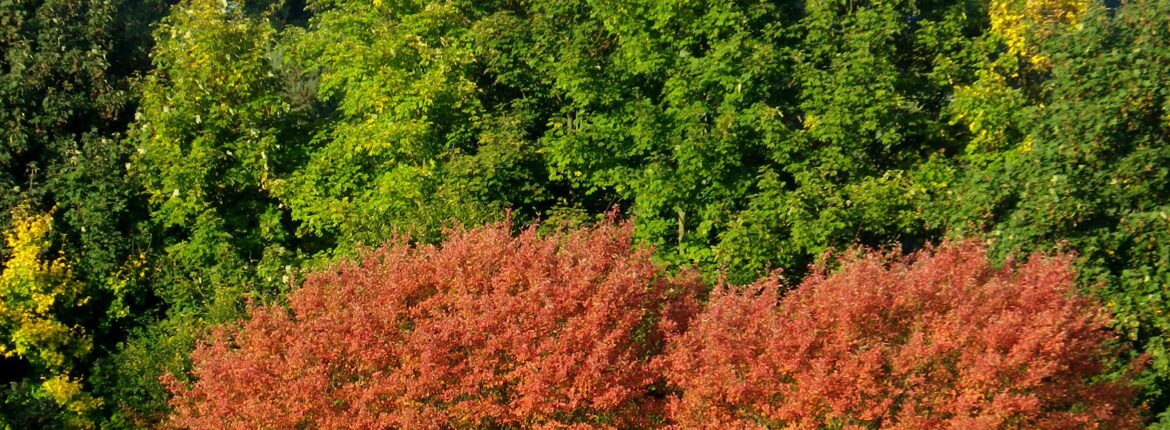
point(174, 170)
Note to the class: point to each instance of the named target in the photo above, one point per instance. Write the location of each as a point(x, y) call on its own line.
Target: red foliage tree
point(488, 330)
point(940, 339)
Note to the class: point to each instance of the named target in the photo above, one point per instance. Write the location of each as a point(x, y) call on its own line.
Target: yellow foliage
point(134, 267)
point(988, 106)
point(984, 106)
point(68, 393)
point(30, 289)
point(1022, 23)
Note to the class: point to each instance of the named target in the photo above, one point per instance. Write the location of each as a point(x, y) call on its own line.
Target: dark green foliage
point(63, 103)
point(873, 84)
point(21, 408)
point(55, 95)
point(667, 108)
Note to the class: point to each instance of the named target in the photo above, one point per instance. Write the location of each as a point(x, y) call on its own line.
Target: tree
point(742, 135)
point(865, 135)
point(207, 142)
point(38, 298)
point(940, 338)
point(54, 88)
point(410, 139)
point(63, 104)
point(668, 108)
point(486, 329)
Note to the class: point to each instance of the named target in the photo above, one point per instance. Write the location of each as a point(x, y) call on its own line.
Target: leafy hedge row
point(582, 330)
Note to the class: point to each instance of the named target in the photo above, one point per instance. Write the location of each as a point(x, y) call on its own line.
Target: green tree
point(62, 104)
point(873, 82)
point(53, 86)
point(667, 108)
point(206, 141)
point(411, 140)
point(746, 135)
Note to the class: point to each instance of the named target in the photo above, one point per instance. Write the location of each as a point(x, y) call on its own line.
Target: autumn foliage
point(581, 330)
point(940, 339)
point(487, 330)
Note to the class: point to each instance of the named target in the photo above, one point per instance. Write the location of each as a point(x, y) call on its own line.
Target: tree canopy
point(167, 165)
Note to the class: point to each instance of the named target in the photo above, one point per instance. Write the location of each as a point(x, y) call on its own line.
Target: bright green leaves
point(207, 143)
point(209, 140)
point(208, 110)
point(405, 106)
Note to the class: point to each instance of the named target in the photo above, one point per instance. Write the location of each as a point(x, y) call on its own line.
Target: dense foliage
point(178, 158)
point(35, 292)
point(64, 106)
point(1082, 167)
point(487, 330)
point(940, 339)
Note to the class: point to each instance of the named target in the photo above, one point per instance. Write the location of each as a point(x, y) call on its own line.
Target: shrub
point(939, 339)
point(486, 330)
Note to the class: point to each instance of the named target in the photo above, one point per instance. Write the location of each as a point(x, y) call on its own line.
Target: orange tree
point(938, 339)
point(485, 330)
